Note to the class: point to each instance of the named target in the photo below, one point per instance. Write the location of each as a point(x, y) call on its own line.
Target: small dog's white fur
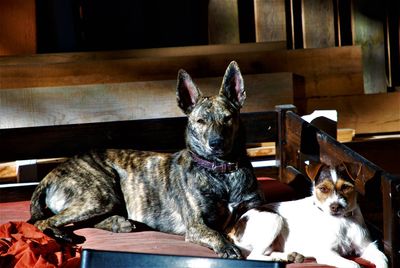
point(309, 227)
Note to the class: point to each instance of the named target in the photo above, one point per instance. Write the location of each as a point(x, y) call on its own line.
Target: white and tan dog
point(328, 225)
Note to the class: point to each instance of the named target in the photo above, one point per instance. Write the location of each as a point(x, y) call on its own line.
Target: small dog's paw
point(295, 257)
point(230, 251)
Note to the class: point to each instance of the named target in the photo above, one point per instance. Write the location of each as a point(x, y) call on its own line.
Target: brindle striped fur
point(115, 189)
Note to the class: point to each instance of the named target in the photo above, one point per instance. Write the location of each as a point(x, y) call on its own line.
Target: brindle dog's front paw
point(116, 224)
point(64, 236)
point(230, 251)
point(41, 225)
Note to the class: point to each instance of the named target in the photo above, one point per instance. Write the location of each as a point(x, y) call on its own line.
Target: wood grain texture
point(17, 27)
point(127, 101)
point(223, 22)
point(368, 32)
point(370, 113)
point(141, 53)
point(318, 23)
point(326, 72)
point(270, 20)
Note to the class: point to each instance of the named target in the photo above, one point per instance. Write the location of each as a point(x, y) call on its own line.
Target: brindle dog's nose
point(216, 143)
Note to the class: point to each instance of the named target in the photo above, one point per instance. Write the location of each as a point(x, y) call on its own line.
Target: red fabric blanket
point(23, 245)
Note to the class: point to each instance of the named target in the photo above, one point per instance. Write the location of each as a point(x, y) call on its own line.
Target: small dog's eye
point(201, 121)
point(323, 189)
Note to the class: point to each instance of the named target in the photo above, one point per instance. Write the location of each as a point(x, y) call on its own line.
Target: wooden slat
point(368, 32)
point(326, 72)
point(318, 23)
point(371, 113)
point(141, 53)
point(223, 22)
point(30, 107)
point(67, 140)
point(8, 172)
point(270, 20)
point(17, 27)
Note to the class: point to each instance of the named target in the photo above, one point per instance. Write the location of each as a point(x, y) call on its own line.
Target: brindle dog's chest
point(218, 203)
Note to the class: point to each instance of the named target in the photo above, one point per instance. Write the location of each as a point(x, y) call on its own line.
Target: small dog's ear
point(312, 169)
point(352, 169)
point(187, 93)
point(233, 86)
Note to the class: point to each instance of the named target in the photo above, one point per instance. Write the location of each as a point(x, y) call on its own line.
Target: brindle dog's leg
point(201, 234)
point(78, 214)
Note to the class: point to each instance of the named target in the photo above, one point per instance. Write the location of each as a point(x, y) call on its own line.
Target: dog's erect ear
point(187, 92)
point(352, 169)
point(312, 169)
point(233, 86)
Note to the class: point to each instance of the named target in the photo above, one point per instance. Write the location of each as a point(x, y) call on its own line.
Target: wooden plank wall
point(270, 20)
point(44, 106)
point(302, 24)
point(223, 17)
point(326, 72)
point(17, 27)
point(327, 23)
point(318, 23)
point(368, 32)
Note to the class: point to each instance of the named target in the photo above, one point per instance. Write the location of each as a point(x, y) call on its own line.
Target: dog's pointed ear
point(312, 169)
point(352, 169)
point(233, 86)
point(187, 93)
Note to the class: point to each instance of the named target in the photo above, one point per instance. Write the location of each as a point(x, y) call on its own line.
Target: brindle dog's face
point(213, 122)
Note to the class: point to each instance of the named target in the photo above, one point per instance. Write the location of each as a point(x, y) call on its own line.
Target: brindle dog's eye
point(201, 121)
point(227, 118)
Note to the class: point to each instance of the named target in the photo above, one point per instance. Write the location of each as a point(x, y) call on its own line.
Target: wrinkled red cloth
point(23, 245)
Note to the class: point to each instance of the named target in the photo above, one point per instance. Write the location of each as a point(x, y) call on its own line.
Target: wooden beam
point(318, 23)
point(270, 20)
point(45, 106)
point(368, 32)
point(326, 72)
point(370, 113)
point(223, 22)
point(141, 53)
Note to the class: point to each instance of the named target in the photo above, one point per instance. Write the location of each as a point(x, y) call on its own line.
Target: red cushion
point(275, 191)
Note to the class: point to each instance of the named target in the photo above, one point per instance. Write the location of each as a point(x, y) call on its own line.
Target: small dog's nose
point(335, 207)
point(216, 143)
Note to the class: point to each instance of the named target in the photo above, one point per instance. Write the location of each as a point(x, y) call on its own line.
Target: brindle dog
point(197, 192)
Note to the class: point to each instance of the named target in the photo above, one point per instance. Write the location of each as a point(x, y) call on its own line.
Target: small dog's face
point(334, 190)
point(213, 122)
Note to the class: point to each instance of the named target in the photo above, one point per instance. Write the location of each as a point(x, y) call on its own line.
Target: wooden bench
point(296, 141)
